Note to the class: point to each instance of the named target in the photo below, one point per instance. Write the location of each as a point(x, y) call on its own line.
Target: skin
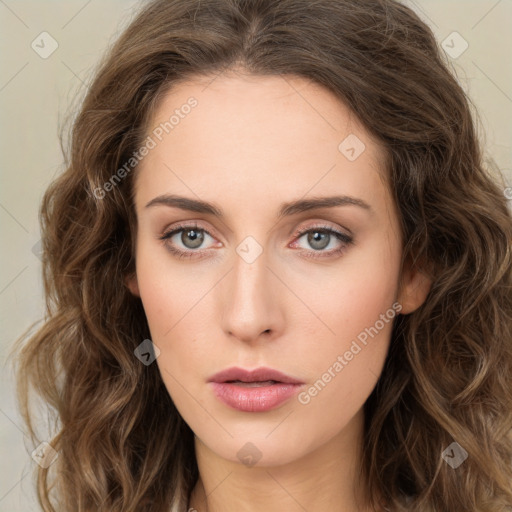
point(251, 144)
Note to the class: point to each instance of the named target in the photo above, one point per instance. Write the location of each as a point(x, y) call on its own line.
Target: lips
point(259, 375)
point(256, 390)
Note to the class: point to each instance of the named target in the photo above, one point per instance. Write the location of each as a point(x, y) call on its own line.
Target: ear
point(414, 288)
point(132, 284)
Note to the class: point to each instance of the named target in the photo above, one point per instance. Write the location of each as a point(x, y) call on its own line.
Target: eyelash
point(342, 237)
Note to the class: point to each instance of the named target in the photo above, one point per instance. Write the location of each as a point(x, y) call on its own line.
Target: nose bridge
point(250, 302)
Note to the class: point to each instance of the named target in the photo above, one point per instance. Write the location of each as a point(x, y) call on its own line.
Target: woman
point(277, 273)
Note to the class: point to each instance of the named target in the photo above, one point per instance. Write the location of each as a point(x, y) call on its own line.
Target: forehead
point(271, 135)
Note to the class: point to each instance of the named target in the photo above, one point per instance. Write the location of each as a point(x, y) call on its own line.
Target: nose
point(250, 301)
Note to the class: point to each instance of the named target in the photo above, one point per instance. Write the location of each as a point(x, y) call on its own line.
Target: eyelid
point(183, 225)
point(322, 225)
point(176, 228)
point(344, 238)
point(319, 224)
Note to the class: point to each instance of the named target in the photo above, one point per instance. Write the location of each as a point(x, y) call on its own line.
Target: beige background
point(36, 93)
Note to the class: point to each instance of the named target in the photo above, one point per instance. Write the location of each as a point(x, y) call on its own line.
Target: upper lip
point(257, 375)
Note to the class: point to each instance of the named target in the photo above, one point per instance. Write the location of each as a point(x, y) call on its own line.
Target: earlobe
point(414, 289)
point(132, 284)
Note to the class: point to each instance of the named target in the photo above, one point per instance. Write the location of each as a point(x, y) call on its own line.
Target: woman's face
point(283, 252)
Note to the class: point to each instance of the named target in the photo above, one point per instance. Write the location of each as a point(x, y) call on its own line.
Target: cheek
point(175, 299)
point(359, 302)
point(168, 290)
point(354, 293)
point(356, 309)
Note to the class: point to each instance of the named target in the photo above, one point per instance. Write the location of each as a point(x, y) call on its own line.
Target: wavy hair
point(122, 445)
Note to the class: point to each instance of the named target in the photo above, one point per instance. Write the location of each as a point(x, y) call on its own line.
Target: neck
point(324, 479)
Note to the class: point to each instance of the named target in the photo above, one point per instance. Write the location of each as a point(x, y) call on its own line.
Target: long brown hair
point(122, 444)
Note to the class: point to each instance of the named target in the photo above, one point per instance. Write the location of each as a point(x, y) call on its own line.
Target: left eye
point(319, 238)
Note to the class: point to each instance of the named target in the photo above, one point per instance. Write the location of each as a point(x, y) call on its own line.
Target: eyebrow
point(287, 209)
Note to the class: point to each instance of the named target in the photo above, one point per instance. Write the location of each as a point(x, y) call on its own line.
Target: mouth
point(258, 390)
point(259, 376)
point(255, 384)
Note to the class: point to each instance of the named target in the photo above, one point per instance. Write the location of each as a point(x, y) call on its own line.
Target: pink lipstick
point(256, 390)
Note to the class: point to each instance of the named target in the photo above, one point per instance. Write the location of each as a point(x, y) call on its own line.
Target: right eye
point(190, 236)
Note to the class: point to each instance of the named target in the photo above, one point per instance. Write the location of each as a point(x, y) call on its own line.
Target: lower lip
point(254, 399)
